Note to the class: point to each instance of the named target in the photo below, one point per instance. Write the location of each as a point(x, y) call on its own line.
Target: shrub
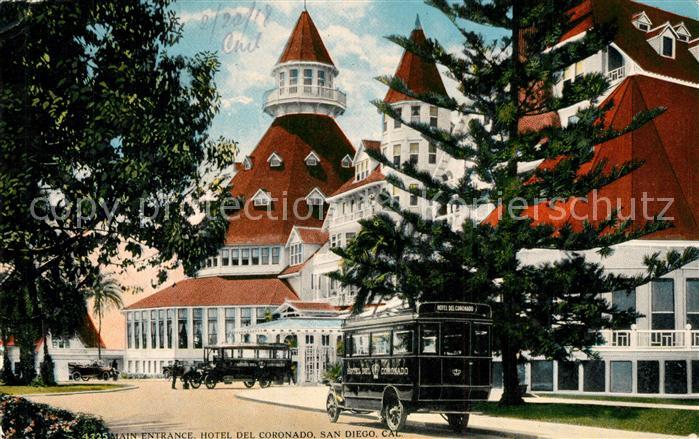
point(332, 373)
point(24, 419)
point(46, 371)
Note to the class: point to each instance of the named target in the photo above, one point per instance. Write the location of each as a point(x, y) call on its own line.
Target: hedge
point(24, 419)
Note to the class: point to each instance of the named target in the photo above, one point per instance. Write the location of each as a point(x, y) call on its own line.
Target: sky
point(249, 36)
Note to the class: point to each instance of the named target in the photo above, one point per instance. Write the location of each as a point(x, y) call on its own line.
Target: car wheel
point(105, 376)
point(249, 383)
point(458, 423)
point(395, 414)
point(76, 376)
point(195, 380)
point(265, 382)
point(210, 381)
point(166, 375)
point(85, 378)
point(332, 409)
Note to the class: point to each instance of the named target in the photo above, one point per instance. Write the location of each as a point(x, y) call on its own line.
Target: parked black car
point(84, 372)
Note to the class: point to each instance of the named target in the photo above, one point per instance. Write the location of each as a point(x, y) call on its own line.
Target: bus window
point(480, 339)
point(454, 339)
point(380, 343)
point(228, 353)
point(402, 342)
point(360, 344)
point(428, 339)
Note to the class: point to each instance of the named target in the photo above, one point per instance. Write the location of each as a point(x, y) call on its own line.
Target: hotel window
point(399, 116)
point(230, 325)
point(307, 80)
point(235, 256)
point(225, 258)
point(578, 69)
point(275, 255)
point(346, 162)
point(129, 330)
point(415, 113)
point(568, 75)
point(395, 194)
point(153, 325)
point(663, 304)
point(312, 160)
point(60, 343)
point(349, 237)
point(413, 197)
point(255, 252)
point(682, 37)
point(296, 252)
point(414, 153)
point(144, 329)
point(197, 315)
point(247, 164)
point(212, 327)
point(434, 113)
point(644, 27)
point(245, 316)
point(274, 162)
point(321, 78)
point(325, 340)
point(432, 154)
point(215, 261)
point(137, 330)
point(261, 314)
point(624, 300)
point(161, 329)
point(310, 339)
point(693, 303)
point(293, 80)
point(333, 241)
point(265, 255)
point(281, 82)
point(396, 155)
point(668, 47)
point(245, 256)
point(182, 323)
point(170, 317)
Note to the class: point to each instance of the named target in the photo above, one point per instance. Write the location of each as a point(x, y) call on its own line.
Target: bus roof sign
point(473, 309)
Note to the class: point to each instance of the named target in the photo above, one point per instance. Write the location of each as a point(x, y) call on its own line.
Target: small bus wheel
point(332, 409)
point(249, 383)
point(394, 412)
point(458, 423)
point(209, 381)
point(265, 382)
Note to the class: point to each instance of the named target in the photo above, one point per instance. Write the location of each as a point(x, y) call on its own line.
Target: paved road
point(155, 408)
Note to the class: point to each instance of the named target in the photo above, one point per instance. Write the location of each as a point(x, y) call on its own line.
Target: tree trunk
point(99, 336)
point(511, 394)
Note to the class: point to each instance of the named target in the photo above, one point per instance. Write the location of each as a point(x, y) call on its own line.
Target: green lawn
point(623, 398)
point(27, 390)
point(666, 421)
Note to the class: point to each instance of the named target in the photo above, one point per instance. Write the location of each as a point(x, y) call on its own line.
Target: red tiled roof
point(305, 43)
point(312, 235)
point(419, 75)
point(539, 122)
point(292, 137)
point(89, 336)
point(633, 41)
point(220, 291)
point(374, 176)
point(10, 341)
point(371, 144)
point(669, 148)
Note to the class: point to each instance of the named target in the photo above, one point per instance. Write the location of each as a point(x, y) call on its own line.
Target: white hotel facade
point(280, 269)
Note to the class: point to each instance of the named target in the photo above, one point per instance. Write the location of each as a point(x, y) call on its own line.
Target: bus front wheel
point(458, 423)
point(249, 383)
point(394, 413)
point(210, 381)
point(332, 409)
point(265, 382)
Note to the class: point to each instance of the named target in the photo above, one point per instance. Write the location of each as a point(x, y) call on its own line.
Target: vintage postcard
point(281, 219)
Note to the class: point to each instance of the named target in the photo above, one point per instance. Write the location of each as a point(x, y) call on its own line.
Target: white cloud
point(229, 102)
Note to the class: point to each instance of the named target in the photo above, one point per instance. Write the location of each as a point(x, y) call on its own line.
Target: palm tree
point(105, 294)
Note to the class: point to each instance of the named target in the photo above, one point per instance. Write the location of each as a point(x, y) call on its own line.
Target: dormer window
point(682, 32)
point(642, 22)
point(346, 161)
point(315, 198)
point(312, 159)
point(247, 163)
point(261, 198)
point(668, 47)
point(274, 160)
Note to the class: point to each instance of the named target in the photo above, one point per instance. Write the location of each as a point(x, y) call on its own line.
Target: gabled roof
point(293, 137)
point(668, 148)
point(375, 176)
point(220, 291)
point(311, 155)
point(307, 307)
point(632, 40)
point(305, 43)
point(371, 144)
point(418, 74)
point(312, 235)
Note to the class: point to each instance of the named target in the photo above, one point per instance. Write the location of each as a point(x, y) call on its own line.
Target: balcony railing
point(353, 216)
point(651, 339)
point(616, 74)
point(297, 92)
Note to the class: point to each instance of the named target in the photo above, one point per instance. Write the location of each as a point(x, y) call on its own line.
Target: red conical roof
point(305, 43)
point(420, 75)
point(292, 138)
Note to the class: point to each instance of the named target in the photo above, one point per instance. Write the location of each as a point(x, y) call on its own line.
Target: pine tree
point(551, 309)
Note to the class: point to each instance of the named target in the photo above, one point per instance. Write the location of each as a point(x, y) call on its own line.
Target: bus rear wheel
point(458, 423)
point(210, 381)
point(394, 413)
point(332, 409)
point(265, 382)
point(249, 383)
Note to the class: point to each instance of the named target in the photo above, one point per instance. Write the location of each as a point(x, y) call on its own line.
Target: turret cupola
point(305, 76)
